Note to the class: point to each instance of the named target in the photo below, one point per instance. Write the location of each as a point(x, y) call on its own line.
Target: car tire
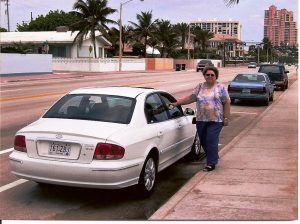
point(272, 97)
point(197, 151)
point(148, 176)
point(267, 101)
point(287, 85)
point(232, 101)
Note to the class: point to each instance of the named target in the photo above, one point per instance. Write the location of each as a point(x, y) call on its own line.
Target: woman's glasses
point(209, 75)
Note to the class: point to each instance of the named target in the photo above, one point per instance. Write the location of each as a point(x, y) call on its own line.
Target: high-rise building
point(232, 28)
point(280, 27)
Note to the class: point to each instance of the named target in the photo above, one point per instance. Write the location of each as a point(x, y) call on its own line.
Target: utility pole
point(188, 45)
point(7, 13)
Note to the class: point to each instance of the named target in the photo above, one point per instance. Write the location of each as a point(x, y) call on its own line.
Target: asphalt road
point(24, 101)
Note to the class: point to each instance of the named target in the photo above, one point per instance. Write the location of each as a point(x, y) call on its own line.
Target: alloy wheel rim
point(149, 174)
point(197, 145)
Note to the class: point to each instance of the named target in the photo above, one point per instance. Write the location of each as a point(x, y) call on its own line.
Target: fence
point(98, 64)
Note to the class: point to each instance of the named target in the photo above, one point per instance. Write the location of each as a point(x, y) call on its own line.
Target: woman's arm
point(186, 100)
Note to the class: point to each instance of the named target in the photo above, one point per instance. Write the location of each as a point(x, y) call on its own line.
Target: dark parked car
point(277, 74)
point(254, 86)
point(202, 64)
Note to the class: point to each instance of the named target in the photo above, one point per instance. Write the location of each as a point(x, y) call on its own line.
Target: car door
point(184, 129)
point(163, 130)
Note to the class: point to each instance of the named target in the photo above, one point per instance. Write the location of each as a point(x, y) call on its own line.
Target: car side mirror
point(189, 111)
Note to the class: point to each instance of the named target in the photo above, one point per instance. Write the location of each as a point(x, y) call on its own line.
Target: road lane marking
point(13, 184)
point(6, 151)
point(10, 90)
point(31, 97)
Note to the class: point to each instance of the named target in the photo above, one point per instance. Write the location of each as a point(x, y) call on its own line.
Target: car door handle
point(160, 133)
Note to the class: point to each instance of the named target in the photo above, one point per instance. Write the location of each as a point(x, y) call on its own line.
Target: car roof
point(253, 73)
point(277, 65)
point(115, 90)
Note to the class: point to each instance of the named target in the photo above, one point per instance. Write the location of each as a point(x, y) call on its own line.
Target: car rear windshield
point(270, 69)
point(249, 78)
point(107, 108)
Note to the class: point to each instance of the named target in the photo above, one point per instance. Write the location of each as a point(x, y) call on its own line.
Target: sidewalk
point(256, 178)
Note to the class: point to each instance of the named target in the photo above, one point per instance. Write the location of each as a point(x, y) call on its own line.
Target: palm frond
point(230, 3)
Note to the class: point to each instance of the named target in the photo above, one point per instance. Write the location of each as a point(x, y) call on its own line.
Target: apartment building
point(232, 28)
point(280, 27)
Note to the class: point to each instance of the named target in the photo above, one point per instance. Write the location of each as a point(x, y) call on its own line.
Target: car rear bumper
point(114, 175)
point(240, 96)
point(278, 83)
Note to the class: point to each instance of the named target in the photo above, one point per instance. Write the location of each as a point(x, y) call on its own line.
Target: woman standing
point(213, 111)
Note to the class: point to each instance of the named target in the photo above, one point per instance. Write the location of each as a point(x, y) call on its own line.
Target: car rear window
point(249, 78)
point(107, 108)
point(270, 69)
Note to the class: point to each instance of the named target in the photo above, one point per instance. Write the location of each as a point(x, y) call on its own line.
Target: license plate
point(60, 148)
point(246, 91)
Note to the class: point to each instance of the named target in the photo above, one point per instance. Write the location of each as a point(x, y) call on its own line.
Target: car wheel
point(272, 97)
point(267, 101)
point(282, 88)
point(287, 85)
point(148, 176)
point(197, 151)
point(232, 101)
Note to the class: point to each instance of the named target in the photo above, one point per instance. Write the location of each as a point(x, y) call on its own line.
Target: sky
point(250, 13)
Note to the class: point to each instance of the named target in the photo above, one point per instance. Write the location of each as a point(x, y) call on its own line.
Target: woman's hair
point(213, 68)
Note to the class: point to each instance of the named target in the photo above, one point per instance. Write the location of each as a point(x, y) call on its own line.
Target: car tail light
point(20, 144)
point(106, 151)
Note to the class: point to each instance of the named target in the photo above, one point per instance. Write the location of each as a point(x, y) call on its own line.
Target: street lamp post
point(189, 39)
point(120, 36)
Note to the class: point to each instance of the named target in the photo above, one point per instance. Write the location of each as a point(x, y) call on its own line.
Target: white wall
point(25, 63)
point(97, 65)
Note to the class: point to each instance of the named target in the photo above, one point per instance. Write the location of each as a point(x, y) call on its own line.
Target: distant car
point(202, 64)
point(255, 86)
point(277, 74)
point(109, 138)
point(252, 65)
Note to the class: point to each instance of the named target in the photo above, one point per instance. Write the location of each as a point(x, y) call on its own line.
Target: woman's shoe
point(209, 168)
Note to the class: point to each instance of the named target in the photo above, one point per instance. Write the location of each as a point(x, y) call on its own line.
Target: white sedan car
point(109, 138)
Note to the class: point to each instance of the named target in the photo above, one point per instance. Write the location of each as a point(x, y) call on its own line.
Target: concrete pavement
point(256, 178)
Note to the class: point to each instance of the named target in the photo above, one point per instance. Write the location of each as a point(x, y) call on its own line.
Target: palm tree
point(143, 28)
point(166, 36)
point(202, 37)
point(93, 17)
point(182, 30)
point(113, 37)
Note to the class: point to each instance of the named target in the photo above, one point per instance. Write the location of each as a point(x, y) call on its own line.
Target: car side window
point(155, 110)
point(175, 111)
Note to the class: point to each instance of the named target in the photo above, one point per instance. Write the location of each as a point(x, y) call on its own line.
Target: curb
point(188, 187)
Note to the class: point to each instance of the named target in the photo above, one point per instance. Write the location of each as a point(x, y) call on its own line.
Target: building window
point(58, 51)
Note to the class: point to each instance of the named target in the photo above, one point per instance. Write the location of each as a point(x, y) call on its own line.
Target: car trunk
point(67, 139)
point(246, 87)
